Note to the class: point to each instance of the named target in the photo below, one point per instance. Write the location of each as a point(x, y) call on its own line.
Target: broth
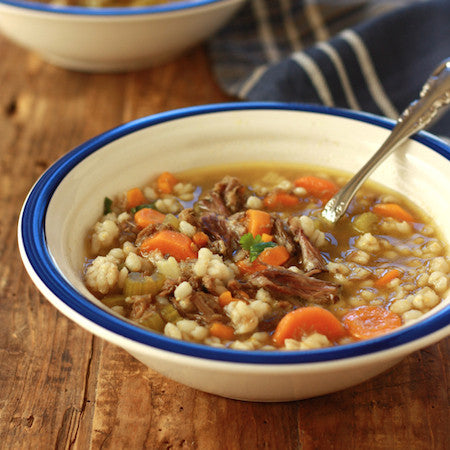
point(190, 262)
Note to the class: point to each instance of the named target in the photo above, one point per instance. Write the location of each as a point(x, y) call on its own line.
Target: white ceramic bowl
point(68, 199)
point(112, 39)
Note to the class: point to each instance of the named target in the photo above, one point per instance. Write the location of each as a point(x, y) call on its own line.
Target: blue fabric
point(368, 55)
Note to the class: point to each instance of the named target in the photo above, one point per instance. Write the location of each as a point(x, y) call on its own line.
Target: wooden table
point(60, 387)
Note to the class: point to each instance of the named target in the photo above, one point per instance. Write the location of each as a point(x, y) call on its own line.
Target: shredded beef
point(270, 322)
point(218, 213)
point(232, 192)
point(128, 232)
point(140, 304)
point(205, 307)
point(311, 258)
point(188, 216)
point(169, 287)
point(278, 280)
point(208, 309)
point(212, 203)
point(209, 284)
point(223, 238)
point(226, 197)
point(236, 223)
point(238, 286)
point(282, 235)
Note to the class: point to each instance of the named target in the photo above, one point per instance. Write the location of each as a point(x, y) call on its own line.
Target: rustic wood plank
point(143, 409)
point(44, 357)
point(60, 387)
point(402, 408)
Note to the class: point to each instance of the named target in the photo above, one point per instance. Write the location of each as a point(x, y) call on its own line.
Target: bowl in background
point(112, 39)
point(67, 200)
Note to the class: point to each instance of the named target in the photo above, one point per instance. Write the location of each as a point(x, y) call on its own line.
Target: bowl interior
point(232, 136)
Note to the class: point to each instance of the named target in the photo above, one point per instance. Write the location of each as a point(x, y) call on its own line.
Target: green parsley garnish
point(247, 240)
point(144, 205)
point(254, 245)
point(107, 203)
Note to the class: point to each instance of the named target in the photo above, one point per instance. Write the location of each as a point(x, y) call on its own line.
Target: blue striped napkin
point(371, 55)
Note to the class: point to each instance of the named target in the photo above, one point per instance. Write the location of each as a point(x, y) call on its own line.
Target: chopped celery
point(170, 219)
point(114, 300)
point(139, 284)
point(365, 222)
point(198, 208)
point(170, 314)
point(153, 321)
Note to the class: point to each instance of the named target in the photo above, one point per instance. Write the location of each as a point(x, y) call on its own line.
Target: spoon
point(434, 97)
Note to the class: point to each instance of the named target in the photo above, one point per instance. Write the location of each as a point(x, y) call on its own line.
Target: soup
point(239, 257)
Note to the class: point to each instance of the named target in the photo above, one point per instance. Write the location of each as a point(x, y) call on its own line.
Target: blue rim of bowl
point(110, 11)
point(34, 248)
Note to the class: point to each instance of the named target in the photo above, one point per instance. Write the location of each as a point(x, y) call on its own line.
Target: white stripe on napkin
point(265, 30)
point(251, 81)
point(316, 77)
point(373, 82)
point(291, 28)
point(342, 73)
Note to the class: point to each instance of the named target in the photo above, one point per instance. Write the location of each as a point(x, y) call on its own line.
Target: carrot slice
point(307, 320)
point(245, 266)
point(274, 256)
point(200, 239)
point(367, 322)
point(392, 210)
point(266, 237)
point(316, 186)
point(258, 222)
point(225, 298)
point(148, 216)
point(387, 277)
point(221, 331)
point(170, 243)
point(165, 182)
point(135, 197)
point(280, 200)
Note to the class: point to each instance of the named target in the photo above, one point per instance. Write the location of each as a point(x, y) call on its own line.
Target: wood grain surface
point(60, 387)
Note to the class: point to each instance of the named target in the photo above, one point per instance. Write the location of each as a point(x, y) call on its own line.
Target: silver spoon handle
point(434, 97)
